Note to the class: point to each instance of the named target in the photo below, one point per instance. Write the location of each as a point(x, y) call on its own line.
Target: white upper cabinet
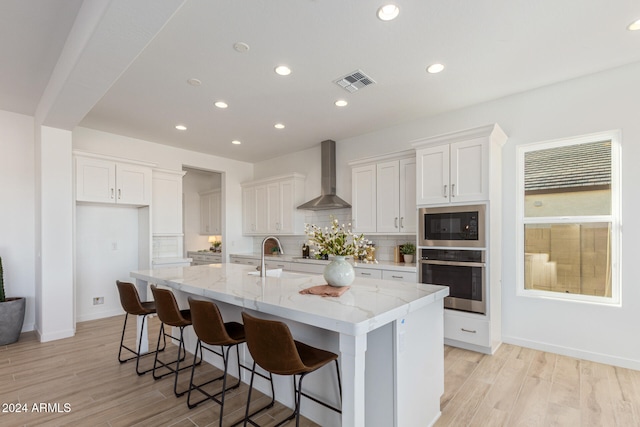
point(363, 196)
point(270, 206)
point(211, 212)
point(103, 180)
point(456, 168)
point(167, 202)
point(383, 194)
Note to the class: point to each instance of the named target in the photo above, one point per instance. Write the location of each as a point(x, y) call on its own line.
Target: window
point(569, 219)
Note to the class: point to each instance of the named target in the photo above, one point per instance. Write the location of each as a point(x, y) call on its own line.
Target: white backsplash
point(385, 244)
point(167, 246)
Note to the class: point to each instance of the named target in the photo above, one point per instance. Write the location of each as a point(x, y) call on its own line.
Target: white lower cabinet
point(369, 273)
point(401, 276)
point(204, 258)
point(466, 329)
point(242, 260)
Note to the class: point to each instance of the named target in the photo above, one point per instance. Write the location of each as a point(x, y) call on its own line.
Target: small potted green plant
point(408, 250)
point(11, 314)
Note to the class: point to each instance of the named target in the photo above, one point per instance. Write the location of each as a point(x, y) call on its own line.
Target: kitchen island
point(389, 336)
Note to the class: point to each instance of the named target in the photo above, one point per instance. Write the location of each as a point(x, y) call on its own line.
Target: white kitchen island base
point(389, 336)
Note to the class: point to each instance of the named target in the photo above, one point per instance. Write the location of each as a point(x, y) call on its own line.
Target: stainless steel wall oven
point(463, 270)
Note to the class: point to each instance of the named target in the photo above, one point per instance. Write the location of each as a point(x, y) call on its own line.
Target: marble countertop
point(367, 305)
point(380, 265)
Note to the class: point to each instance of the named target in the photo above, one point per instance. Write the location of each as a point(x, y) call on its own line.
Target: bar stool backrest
point(167, 307)
point(208, 324)
point(130, 299)
point(272, 346)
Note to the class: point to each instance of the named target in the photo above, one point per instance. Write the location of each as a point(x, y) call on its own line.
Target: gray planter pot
point(11, 319)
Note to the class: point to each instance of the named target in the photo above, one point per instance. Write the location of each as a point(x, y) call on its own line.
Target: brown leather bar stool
point(274, 350)
point(170, 314)
point(212, 330)
point(132, 305)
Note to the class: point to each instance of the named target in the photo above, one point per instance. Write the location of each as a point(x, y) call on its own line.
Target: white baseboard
point(100, 315)
point(57, 335)
point(575, 353)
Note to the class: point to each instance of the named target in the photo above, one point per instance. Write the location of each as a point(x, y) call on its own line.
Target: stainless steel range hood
point(327, 198)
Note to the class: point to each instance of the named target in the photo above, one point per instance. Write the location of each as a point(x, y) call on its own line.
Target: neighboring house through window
point(569, 218)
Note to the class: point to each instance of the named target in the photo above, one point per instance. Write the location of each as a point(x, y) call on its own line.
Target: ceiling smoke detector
point(354, 81)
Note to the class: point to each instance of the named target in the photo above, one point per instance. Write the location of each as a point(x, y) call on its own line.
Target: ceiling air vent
point(354, 81)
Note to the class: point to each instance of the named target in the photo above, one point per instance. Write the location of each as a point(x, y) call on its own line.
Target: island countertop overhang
point(367, 305)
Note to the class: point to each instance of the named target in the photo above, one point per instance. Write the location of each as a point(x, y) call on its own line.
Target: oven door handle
point(454, 263)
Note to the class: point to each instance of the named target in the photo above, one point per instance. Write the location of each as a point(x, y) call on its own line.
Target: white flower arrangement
point(337, 240)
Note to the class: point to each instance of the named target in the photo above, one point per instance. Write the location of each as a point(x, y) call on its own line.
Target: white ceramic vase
point(339, 272)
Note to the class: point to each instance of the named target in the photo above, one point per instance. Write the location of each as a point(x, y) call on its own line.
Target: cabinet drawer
point(307, 268)
point(245, 261)
point(402, 276)
point(275, 264)
point(465, 329)
point(368, 273)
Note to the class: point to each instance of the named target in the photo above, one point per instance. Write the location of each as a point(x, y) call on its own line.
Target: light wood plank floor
point(515, 387)
point(84, 373)
point(523, 387)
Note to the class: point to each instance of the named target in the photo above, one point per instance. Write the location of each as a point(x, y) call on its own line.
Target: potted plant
point(408, 251)
point(11, 314)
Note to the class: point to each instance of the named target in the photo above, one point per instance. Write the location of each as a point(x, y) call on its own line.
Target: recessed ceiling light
point(241, 47)
point(194, 82)
point(236, 142)
point(634, 26)
point(283, 70)
point(278, 126)
point(388, 12)
point(221, 104)
point(341, 103)
point(181, 127)
point(435, 68)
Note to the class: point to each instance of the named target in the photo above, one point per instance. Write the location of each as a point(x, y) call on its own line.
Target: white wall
point(595, 103)
point(106, 250)
point(17, 211)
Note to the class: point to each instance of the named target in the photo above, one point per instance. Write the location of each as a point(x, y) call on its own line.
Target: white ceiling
point(490, 49)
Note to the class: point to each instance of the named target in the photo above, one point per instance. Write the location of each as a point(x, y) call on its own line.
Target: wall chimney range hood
point(327, 198)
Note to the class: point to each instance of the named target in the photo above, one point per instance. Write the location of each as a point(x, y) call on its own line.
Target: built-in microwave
point(452, 226)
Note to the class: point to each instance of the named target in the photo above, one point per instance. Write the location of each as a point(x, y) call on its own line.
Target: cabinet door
point(363, 209)
point(408, 207)
point(469, 171)
point(273, 208)
point(433, 179)
point(287, 206)
point(388, 197)
point(261, 207)
point(133, 184)
point(249, 213)
point(95, 180)
point(215, 213)
point(167, 203)
point(205, 214)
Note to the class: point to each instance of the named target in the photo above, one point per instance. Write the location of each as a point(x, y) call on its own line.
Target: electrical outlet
point(98, 300)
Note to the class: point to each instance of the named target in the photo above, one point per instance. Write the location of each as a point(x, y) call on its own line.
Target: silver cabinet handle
point(395, 223)
point(401, 222)
point(119, 193)
point(453, 190)
point(365, 274)
point(467, 330)
point(397, 277)
point(112, 193)
point(445, 191)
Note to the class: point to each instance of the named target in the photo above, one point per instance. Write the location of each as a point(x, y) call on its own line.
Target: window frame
point(614, 219)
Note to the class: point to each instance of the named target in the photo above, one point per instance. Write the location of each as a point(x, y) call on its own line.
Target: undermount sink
point(278, 272)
